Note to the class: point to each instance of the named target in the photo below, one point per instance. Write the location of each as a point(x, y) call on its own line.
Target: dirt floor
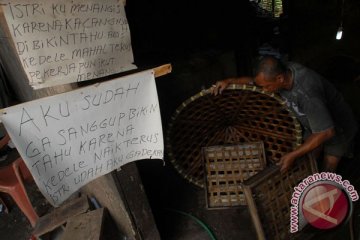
point(180, 210)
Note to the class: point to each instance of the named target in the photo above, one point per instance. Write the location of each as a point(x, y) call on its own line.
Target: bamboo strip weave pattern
point(268, 195)
point(240, 114)
point(226, 167)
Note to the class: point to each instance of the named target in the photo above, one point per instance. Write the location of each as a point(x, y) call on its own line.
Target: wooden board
point(86, 226)
point(60, 215)
point(135, 199)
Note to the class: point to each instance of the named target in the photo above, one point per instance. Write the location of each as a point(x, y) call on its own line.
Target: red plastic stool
point(4, 140)
point(11, 182)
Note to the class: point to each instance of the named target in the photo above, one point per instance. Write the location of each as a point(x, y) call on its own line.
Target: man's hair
point(270, 66)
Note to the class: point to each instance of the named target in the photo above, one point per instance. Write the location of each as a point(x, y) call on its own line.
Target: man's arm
point(312, 142)
point(221, 85)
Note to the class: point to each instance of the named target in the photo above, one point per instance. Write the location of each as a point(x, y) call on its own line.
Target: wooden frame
point(268, 196)
point(226, 167)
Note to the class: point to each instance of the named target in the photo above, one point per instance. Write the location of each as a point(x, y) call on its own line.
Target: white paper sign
point(63, 41)
point(70, 139)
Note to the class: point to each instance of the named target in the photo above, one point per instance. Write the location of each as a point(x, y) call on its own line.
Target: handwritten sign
point(70, 139)
point(69, 41)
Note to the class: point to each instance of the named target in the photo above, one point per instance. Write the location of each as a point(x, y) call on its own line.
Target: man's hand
point(286, 162)
point(219, 87)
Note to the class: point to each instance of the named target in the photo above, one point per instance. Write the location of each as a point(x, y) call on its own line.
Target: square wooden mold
point(268, 195)
point(226, 167)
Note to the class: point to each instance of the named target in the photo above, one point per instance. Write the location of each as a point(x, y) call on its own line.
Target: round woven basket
point(240, 114)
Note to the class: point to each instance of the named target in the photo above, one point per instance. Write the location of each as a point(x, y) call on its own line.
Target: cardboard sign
point(63, 41)
point(69, 139)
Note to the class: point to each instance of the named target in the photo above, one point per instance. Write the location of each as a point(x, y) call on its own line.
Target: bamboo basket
point(240, 114)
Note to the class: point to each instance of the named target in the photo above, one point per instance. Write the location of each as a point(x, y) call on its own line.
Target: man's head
point(270, 74)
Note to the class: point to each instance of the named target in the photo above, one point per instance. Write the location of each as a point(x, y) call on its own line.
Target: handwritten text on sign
point(68, 41)
point(70, 139)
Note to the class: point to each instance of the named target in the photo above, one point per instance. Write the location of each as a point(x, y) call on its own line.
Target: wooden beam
point(162, 70)
point(134, 196)
point(104, 189)
point(158, 72)
point(60, 215)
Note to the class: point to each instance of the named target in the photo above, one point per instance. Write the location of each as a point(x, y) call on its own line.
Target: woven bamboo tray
point(268, 195)
point(240, 114)
point(226, 167)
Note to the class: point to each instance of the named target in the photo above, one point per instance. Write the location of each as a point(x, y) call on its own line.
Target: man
point(325, 117)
